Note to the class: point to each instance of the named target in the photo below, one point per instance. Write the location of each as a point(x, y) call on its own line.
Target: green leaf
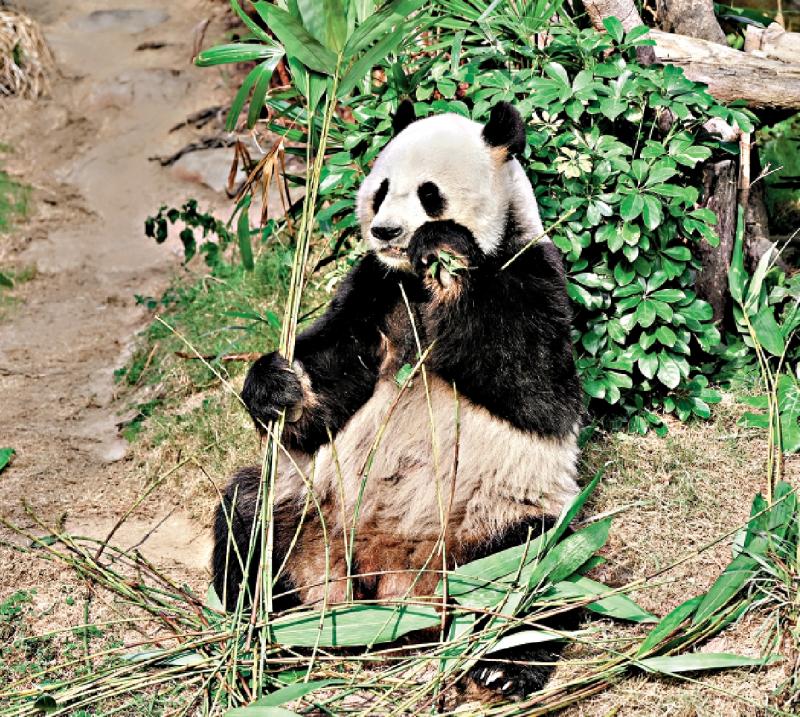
point(631, 207)
point(572, 552)
point(648, 365)
point(295, 38)
point(352, 625)
point(241, 98)
point(6, 454)
point(668, 295)
point(255, 710)
point(403, 373)
point(262, 78)
point(733, 579)
point(668, 371)
point(367, 61)
point(378, 24)
point(737, 277)
point(614, 28)
point(768, 332)
point(617, 605)
point(325, 20)
point(237, 52)
point(294, 692)
point(669, 624)
point(651, 212)
point(645, 314)
point(212, 600)
point(698, 661)
point(243, 235)
point(6, 280)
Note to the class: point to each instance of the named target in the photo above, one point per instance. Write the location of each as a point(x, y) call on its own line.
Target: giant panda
point(445, 207)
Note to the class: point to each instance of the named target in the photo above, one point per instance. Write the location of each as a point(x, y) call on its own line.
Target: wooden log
point(773, 42)
point(730, 74)
point(720, 189)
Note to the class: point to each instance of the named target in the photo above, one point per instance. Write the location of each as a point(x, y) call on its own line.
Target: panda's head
point(447, 167)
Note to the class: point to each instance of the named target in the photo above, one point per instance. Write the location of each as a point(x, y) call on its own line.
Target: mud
point(84, 151)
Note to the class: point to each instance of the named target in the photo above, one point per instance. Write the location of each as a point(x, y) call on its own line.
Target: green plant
point(617, 184)
point(13, 201)
point(767, 314)
point(6, 455)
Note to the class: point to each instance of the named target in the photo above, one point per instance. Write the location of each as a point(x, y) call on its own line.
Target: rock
point(208, 167)
point(138, 85)
point(114, 451)
point(128, 21)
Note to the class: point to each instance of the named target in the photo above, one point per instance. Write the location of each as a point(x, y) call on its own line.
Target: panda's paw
point(272, 386)
point(513, 680)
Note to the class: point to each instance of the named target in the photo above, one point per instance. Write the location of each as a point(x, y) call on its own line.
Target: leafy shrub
point(613, 150)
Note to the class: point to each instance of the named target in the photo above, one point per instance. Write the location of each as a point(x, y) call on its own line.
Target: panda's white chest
point(425, 456)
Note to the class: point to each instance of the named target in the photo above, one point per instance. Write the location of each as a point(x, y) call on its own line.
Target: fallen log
point(730, 74)
point(773, 42)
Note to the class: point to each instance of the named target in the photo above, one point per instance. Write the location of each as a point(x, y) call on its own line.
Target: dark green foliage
point(620, 191)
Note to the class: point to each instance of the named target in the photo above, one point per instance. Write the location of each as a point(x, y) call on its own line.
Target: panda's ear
point(505, 128)
point(404, 116)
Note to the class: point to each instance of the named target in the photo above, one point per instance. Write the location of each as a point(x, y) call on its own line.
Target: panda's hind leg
point(234, 532)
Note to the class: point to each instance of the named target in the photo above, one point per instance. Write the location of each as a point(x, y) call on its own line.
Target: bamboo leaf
point(352, 625)
point(325, 20)
point(243, 235)
point(737, 277)
point(293, 692)
point(241, 98)
point(668, 624)
point(296, 39)
point(259, 711)
point(698, 661)
point(733, 578)
point(618, 605)
point(237, 52)
point(571, 511)
point(378, 24)
point(368, 60)
point(572, 552)
point(265, 71)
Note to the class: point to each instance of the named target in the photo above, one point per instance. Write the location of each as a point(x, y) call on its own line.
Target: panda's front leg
point(443, 254)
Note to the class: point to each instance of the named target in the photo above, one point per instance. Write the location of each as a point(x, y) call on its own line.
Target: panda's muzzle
point(386, 232)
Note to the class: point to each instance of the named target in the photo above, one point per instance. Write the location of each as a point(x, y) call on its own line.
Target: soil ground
point(85, 153)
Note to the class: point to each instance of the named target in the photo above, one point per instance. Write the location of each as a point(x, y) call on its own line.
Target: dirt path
point(85, 153)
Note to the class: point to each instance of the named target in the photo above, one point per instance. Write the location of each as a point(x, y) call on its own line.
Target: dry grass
point(684, 491)
point(25, 59)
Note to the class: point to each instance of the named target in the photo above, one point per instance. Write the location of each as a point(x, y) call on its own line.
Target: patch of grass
point(10, 279)
point(13, 201)
point(182, 405)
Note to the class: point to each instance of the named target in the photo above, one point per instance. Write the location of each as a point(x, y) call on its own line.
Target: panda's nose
point(386, 232)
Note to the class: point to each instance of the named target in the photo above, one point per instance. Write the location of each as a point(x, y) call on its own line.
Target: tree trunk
point(720, 190)
point(690, 17)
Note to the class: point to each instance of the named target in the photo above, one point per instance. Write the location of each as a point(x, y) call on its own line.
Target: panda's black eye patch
point(431, 198)
point(380, 195)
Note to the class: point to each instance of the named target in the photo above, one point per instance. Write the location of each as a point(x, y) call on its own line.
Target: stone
point(128, 21)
